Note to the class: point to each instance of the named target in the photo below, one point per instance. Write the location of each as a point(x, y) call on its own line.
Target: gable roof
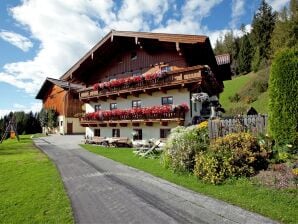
point(63, 84)
point(105, 46)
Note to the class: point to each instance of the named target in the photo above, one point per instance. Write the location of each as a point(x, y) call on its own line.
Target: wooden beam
point(148, 92)
point(163, 90)
point(135, 94)
point(123, 95)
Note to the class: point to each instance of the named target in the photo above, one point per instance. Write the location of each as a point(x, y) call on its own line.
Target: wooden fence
point(254, 124)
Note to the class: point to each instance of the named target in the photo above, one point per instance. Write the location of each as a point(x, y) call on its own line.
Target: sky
point(44, 38)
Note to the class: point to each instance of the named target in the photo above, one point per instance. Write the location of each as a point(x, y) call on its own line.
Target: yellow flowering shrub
point(234, 155)
point(203, 125)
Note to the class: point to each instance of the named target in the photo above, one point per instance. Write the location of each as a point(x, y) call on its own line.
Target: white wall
point(76, 127)
point(179, 97)
point(147, 131)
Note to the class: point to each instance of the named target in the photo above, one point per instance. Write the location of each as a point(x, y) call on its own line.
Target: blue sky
point(44, 38)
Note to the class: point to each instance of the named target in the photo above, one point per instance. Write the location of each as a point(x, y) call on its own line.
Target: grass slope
point(31, 190)
point(244, 85)
point(277, 204)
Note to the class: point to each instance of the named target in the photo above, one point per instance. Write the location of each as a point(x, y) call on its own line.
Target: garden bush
point(234, 155)
point(182, 145)
point(283, 103)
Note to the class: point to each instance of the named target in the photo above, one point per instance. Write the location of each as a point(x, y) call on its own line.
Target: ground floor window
point(137, 134)
point(97, 132)
point(116, 132)
point(164, 133)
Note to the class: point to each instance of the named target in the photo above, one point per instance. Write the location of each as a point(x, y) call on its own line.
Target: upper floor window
point(165, 69)
point(133, 55)
point(97, 107)
point(136, 73)
point(113, 106)
point(168, 100)
point(136, 103)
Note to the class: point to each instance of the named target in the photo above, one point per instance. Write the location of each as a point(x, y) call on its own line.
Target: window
point(116, 132)
point(133, 56)
point(61, 123)
point(112, 78)
point(164, 133)
point(168, 100)
point(165, 69)
point(136, 73)
point(97, 132)
point(136, 103)
point(113, 106)
point(97, 107)
point(137, 134)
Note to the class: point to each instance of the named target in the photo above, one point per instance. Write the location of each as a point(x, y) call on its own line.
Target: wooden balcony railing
point(164, 117)
point(170, 80)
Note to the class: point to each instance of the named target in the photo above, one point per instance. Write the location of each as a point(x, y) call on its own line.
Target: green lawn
point(276, 204)
point(31, 190)
point(231, 87)
point(240, 85)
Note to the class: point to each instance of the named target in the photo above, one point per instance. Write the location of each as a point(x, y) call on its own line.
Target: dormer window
point(133, 56)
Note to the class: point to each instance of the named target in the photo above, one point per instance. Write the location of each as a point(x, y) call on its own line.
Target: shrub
point(182, 145)
point(283, 103)
point(234, 155)
point(234, 98)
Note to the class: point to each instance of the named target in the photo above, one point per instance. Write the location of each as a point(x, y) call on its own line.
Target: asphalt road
point(104, 191)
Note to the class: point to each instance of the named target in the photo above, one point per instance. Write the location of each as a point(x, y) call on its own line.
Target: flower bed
point(138, 113)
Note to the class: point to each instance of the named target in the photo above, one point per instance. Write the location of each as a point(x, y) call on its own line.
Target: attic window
point(119, 60)
point(133, 56)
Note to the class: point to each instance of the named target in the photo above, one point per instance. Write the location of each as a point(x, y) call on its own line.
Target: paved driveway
point(104, 191)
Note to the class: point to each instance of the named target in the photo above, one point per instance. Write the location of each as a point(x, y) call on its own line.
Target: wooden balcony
point(171, 80)
point(124, 120)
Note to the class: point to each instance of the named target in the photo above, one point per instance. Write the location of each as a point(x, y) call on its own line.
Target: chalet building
point(62, 97)
point(140, 85)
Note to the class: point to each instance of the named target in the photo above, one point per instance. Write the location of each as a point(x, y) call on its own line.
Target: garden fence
point(254, 124)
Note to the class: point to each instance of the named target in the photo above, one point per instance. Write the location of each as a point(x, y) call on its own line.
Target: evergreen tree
point(245, 55)
point(283, 104)
point(262, 28)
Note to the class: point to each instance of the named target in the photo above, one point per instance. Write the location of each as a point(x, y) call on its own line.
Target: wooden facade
point(62, 97)
point(54, 99)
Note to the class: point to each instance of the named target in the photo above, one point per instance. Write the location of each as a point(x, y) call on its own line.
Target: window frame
point(97, 107)
point(117, 131)
point(138, 105)
point(139, 136)
point(133, 56)
point(164, 132)
point(113, 106)
point(95, 132)
point(167, 100)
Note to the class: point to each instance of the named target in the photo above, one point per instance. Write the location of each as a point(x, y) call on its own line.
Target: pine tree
point(245, 55)
point(262, 28)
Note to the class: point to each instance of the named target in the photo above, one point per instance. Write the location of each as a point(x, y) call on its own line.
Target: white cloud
point(68, 29)
point(277, 5)
point(16, 39)
point(34, 107)
point(237, 11)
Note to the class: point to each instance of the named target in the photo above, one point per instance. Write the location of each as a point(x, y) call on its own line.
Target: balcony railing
point(133, 118)
point(170, 80)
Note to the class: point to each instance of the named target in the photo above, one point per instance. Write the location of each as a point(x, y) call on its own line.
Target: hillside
point(246, 91)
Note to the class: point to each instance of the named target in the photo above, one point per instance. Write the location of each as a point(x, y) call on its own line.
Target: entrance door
point(69, 128)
